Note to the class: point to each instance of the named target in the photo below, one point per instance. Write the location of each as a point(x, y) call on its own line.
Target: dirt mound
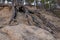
point(24, 32)
point(33, 25)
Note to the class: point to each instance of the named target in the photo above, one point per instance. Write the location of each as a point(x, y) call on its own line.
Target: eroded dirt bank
point(24, 32)
point(30, 25)
point(5, 15)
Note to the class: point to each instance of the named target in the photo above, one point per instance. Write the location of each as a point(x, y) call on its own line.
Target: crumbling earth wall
point(5, 15)
point(27, 22)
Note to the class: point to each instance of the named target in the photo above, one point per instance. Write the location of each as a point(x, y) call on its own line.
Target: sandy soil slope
point(24, 32)
point(5, 15)
point(54, 20)
point(34, 25)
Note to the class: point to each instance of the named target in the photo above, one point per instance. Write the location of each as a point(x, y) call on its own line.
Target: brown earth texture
point(34, 25)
